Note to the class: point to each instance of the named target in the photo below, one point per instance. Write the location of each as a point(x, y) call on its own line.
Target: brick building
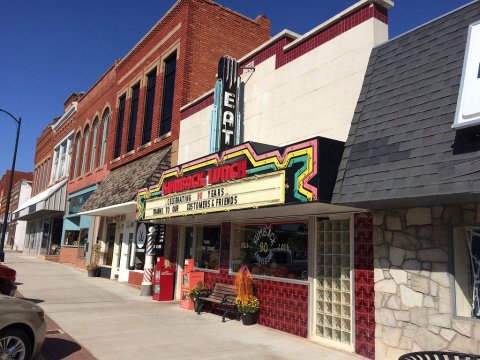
point(44, 210)
point(21, 192)
point(263, 200)
point(18, 177)
point(89, 165)
point(171, 65)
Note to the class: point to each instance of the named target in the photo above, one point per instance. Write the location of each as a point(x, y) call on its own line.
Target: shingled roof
point(121, 185)
point(402, 149)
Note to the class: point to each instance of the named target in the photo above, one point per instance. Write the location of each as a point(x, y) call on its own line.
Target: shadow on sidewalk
point(57, 349)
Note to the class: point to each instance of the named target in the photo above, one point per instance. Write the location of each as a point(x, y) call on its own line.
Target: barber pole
point(146, 289)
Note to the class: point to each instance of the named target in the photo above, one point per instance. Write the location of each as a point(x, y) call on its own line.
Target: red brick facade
point(5, 182)
point(43, 160)
point(69, 255)
point(95, 105)
point(45, 146)
point(308, 43)
point(199, 32)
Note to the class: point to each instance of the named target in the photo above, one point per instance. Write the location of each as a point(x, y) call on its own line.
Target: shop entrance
point(110, 244)
point(333, 288)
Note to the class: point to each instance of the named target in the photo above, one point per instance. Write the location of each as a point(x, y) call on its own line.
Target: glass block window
point(333, 291)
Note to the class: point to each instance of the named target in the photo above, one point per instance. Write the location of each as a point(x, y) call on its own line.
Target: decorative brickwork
point(199, 32)
point(69, 255)
point(283, 306)
point(135, 278)
point(364, 286)
point(309, 43)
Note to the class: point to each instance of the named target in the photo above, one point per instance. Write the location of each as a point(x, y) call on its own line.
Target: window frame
point(274, 221)
point(196, 231)
point(453, 269)
point(93, 148)
point(132, 123)
point(86, 139)
point(119, 131)
point(78, 146)
point(168, 95)
point(103, 147)
point(150, 87)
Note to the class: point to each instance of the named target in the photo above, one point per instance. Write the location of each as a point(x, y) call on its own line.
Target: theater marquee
point(262, 190)
point(247, 176)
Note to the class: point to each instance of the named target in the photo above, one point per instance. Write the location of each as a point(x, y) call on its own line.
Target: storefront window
point(56, 238)
point(71, 237)
point(75, 203)
point(275, 249)
point(208, 248)
point(82, 242)
point(466, 246)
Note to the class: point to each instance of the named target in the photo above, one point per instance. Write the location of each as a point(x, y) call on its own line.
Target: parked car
point(7, 280)
point(22, 328)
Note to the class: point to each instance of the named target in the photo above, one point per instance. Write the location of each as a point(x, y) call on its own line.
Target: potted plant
point(92, 269)
point(248, 306)
point(199, 291)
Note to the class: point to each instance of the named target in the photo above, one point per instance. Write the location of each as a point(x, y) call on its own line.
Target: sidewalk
point(113, 322)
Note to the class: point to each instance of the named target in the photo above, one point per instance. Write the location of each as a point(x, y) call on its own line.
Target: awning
point(116, 194)
point(112, 210)
point(49, 202)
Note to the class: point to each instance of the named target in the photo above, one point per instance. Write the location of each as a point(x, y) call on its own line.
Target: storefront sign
point(244, 177)
point(141, 235)
point(220, 174)
point(262, 190)
point(468, 103)
point(225, 118)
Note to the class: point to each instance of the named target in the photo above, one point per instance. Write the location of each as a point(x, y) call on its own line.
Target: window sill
point(144, 146)
point(164, 136)
point(115, 160)
point(274, 278)
point(208, 270)
point(100, 168)
point(130, 153)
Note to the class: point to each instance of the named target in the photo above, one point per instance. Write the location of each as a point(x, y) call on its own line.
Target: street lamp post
point(9, 193)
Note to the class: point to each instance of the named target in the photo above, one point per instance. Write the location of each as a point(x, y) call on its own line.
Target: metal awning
point(124, 208)
point(49, 202)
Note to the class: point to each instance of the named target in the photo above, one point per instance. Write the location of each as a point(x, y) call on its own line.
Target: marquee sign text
point(255, 191)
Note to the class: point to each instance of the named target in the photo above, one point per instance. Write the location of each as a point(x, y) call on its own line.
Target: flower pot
point(92, 272)
point(249, 318)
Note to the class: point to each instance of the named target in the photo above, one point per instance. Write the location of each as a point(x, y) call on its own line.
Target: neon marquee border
point(305, 152)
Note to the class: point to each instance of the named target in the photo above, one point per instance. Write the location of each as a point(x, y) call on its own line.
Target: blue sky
point(49, 49)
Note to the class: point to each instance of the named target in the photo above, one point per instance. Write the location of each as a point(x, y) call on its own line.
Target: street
point(110, 320)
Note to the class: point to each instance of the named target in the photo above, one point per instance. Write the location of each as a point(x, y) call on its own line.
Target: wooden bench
point(223, 295)
point(440, 355)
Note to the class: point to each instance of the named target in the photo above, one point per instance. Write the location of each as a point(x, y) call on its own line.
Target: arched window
point(85, 147)
point(94, 143)
point(78, 142)
point(103, 144)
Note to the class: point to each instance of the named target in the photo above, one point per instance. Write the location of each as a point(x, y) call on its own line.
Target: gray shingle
point(121, 185)
point(400, 144)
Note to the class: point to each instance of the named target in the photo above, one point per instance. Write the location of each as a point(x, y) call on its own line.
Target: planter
point(249, 318)
point(92, 272)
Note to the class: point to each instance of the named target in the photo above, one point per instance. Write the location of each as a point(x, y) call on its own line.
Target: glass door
point(110, 244)
point(333, 296)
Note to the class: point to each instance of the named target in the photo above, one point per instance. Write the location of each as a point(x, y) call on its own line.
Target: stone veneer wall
point(413, 298)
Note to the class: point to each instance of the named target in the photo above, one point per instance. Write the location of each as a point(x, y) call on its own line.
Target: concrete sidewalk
point(113, 322)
